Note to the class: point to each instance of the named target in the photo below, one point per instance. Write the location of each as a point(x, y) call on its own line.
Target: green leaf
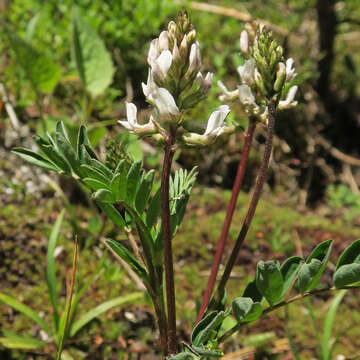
point(51, 152)
point(346, 275)
point(68, 152)
point(252, 292)
point(39, 68)
point(128, 257)
point(184, 356)
point(100, 309)
point(118, 186)
point(144, 191)
point(245, 310)
point(269, 280)
point(26, 310)
point(154, 209)
point(104, 196)
point(50, 267)
point(113, 214)
point(96, 164)
point(350, 255)
point(95, 184)
point(36, 159)
point(93, 62)
point(84, 140)
point(307, 273)
point(327, 344)
point(89, 172)
point(205, 329)
point(21, 342)
point(289, 270)
point(310, 272)
point(133, 180)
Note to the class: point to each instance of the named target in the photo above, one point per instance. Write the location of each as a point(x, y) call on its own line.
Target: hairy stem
point(166, 237)
point(253, 204)
point(228, 219)
point(270, 309)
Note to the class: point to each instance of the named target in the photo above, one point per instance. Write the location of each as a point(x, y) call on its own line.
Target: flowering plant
point(127, 196)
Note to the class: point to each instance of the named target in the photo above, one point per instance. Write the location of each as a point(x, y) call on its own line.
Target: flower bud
point(183, 48)
point(172, 30)
point(280, 77)
point(244, 42)
point(164, 41)
point(260, 82)
point(194, 60)
point(191, 37)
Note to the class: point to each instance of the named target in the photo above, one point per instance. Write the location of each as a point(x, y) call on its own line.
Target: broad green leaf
point(21, 342)
point(26, 310)
point(269, 280)
point(310, 272)
point(50, 267)
point(118, 186)
point(39, 68)
point(326, 343)
point(252, 292)
point(95, 184)
point(128, 257)
point(36, 159)
point(51, 152)
point(104, 196)
point(133, 180)
point(289, 270)
point(93, 62)
point(307, 273)
point(100, 309)
point(350, 255)
point(113, 214)
point(245, 310)
point(346, 275)
point(144, 191)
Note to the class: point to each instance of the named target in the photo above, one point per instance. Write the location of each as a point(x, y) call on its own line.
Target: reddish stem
point(228, 219)
point(253, 204)
point(166, 236)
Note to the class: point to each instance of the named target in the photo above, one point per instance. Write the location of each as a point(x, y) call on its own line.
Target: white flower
point(154, 52)
point(165, 104)
point(289, 100)
point(226, 94)
point(248, 100)
point(214, 128)
point(247, 72)
point(132, 125)
point(150, 86)
point(244, 41)
point(204, 83)
point(194, 59)
point(161, 65)
point(290, 71)
point(164, 41)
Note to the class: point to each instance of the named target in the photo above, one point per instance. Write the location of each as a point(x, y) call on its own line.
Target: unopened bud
point(164, 41)
point(183, 48)
point(244, 41)
point(280, 77)
point(279, 52)
point(260, 82)
point(172, 29)
point(191, 37)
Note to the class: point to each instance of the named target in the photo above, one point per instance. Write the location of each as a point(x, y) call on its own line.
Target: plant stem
point(270, 309)
point(64, 334)
point(166, 237)
point(253, 204)
point(228, 218)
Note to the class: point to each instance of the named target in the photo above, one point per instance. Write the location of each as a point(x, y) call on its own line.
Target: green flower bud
point(280, 77)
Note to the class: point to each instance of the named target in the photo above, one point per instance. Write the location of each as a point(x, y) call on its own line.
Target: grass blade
point(100, 309)
point(50, 268)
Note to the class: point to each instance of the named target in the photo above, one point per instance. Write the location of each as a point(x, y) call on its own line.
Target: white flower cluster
point(174, 84)
point(252, 79)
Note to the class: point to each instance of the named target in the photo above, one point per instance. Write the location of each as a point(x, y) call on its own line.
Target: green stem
point(270, 309)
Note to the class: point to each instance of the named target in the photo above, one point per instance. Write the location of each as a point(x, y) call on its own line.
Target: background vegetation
point(312, 193)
